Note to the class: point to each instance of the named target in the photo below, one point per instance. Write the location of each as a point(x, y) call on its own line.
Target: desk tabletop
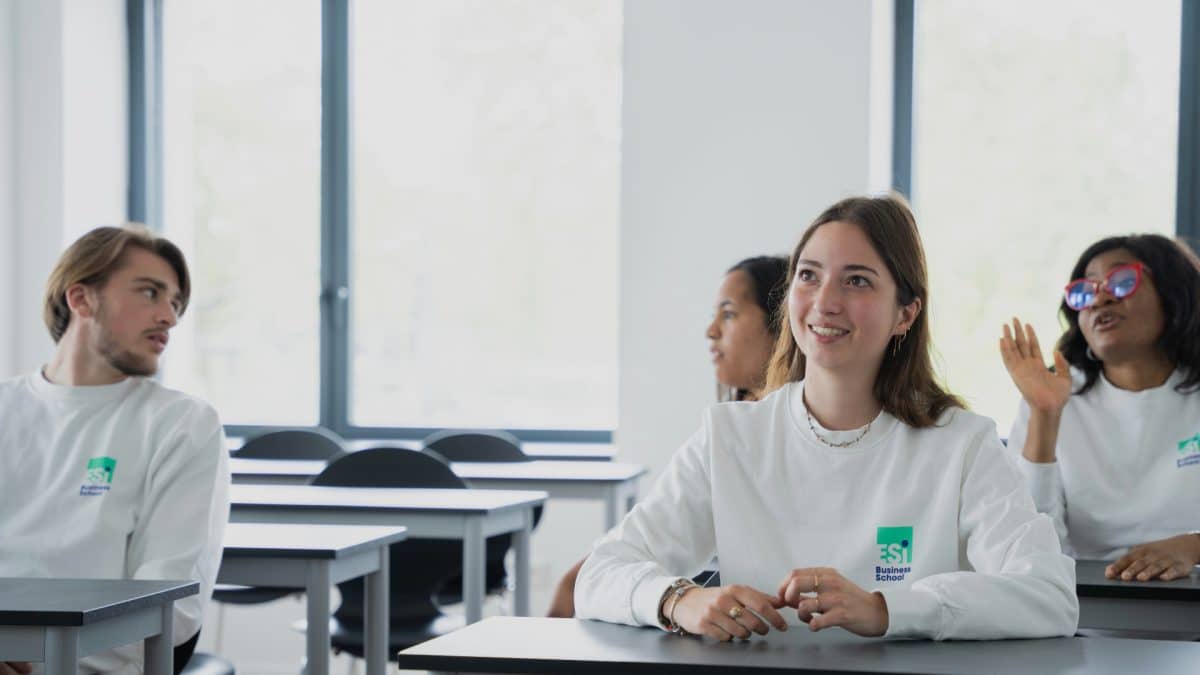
point(410, 500)
point(548, 470)
point(1091, 583)
point(572, 452)
point(272, 540)
point(599, 472)
point(276, 467)
point(78, 602)
point(535, 645)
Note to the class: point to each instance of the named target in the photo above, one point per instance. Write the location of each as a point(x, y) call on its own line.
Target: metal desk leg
point(317, 632)
point(521, 549)
point(62, 650)
point(612, 507)
point(378, 620)
point(159, 650)
point(474, 568)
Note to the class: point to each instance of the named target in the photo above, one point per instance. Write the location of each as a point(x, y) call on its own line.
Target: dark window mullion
point(1187, 193)
point(902, 102)
point(144, 193)
point(335, 213)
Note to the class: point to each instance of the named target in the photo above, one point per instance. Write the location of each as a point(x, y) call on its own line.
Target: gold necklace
point(844, 444)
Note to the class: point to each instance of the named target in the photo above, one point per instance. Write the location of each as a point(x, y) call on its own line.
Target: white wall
point(8, 274)
point(741, 122)
point(67, 103)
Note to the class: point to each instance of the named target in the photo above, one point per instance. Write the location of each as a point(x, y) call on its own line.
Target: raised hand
point(728, 612)
point(1042, 389)
point(823, 598)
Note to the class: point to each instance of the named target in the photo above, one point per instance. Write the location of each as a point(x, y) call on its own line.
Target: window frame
point(144, 21)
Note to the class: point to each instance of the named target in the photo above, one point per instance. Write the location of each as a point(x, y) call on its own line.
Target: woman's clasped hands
point(821, 596)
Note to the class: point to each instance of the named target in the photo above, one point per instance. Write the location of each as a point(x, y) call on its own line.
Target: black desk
point(469, 516)
point(1112, 604)
point(613, 483)
point(558, 451)
point(527, 645)
point(315, 557)
point(59, 621)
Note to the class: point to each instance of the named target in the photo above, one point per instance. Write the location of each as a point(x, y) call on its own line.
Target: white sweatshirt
point(1127, 469)
point(122, 481)
point(936, 519)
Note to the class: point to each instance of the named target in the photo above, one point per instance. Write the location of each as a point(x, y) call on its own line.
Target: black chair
point(480, 446)
point(315, 443)
point(188, 661)
point(476, 446)
point(203, 663)
point(419, 567)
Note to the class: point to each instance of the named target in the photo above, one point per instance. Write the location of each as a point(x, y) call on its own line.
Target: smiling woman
point(775, 488)
point(1108, 431)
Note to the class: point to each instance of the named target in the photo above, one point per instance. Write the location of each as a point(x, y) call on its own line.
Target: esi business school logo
point(99, 476)
point(895, 553)
point(1189, 452)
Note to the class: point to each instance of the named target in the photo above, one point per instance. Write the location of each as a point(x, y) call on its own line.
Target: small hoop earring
point(1091, 355)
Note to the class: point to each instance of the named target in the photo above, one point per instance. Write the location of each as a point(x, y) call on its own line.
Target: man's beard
point(124, 361)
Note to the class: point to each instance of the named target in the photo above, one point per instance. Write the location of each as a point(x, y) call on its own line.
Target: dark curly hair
point(1176, 273)
point(768, 281)
point(768, 276)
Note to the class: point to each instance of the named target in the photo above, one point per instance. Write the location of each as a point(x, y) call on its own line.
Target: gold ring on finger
point(736, 611)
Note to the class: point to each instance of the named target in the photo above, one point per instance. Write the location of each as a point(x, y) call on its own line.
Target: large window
point(242, 115)
point(473, 236)
point(486, 190)
point(1039, 127)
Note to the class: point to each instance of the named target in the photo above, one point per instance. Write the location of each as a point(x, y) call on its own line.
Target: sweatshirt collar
point(79, 395)
point(1123, 397)
point(879, 429)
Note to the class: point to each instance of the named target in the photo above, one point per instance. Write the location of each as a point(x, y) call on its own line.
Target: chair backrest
point(389, 467)
point(476, 446)
point(315, 443)
point(419, 567)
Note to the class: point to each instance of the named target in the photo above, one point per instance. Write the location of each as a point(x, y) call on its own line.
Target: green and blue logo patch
point(895, 552)
point(1189, 452)
point(99, 476)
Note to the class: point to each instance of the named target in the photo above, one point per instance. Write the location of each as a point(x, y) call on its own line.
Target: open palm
point(1042, 388)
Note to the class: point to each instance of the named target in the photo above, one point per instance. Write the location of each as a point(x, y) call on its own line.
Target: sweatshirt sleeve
point(1043, 479)
point(1021, 586)
point(668, 534)
point(180, 525)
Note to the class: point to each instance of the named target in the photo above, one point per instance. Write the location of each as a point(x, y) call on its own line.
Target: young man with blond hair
point(108, 473)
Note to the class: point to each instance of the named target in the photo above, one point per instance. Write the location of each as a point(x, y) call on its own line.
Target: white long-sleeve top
point(1127, 467)
point(122, 481)
point(938, 520)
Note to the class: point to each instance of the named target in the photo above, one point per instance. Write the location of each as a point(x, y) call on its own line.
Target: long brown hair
point(905, 385)
point(94, 257)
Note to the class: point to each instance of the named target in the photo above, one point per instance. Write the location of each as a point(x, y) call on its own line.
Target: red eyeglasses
point(1121, 281)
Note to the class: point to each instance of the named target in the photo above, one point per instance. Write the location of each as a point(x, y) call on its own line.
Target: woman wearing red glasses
point(1109, 440)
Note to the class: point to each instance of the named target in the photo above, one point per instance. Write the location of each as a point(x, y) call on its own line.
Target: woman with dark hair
point(857, 492)
point(745, 325)
point(1109, 439)
point(744, 328)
